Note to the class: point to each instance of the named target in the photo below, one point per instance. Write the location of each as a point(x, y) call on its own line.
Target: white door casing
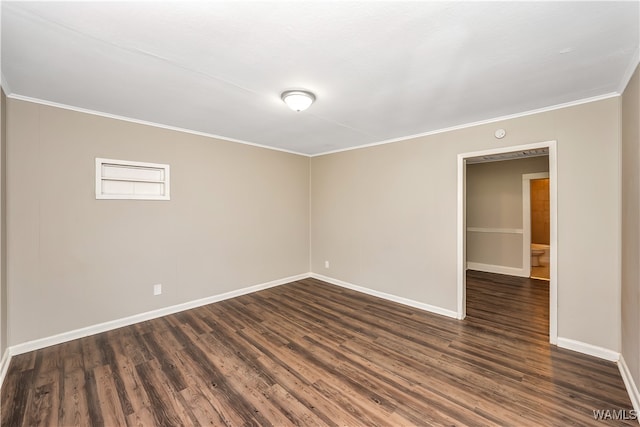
point(553, 232)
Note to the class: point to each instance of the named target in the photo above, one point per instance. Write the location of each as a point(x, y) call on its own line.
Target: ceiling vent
point(514, 155)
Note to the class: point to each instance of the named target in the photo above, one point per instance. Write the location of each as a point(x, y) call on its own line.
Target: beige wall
point(385, 216)
point(238, 216)
point(3, 226)
point(631, 226)
point(494, 200)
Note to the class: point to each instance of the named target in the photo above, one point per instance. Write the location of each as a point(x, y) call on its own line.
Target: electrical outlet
point(157, 289)
point(326, 264)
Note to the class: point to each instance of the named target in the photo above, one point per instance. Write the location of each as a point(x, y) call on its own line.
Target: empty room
point(320, 213)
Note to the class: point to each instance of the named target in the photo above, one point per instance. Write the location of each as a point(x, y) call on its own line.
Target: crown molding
point(146, 123)
point(631, 68)
point(478, 123)
point(384, 142)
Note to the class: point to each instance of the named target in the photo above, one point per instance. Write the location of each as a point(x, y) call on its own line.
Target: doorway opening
point(536, 220)
point(549, 148)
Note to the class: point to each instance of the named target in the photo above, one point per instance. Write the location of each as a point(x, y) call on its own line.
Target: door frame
point(526, 217)
point(553, 232)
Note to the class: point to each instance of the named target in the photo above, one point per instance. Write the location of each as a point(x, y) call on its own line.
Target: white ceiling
point(380, 70)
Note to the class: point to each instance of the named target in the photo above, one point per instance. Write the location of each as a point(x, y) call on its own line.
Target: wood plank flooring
point(310, 353)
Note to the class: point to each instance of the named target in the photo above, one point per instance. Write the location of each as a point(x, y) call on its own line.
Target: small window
point(121, 179)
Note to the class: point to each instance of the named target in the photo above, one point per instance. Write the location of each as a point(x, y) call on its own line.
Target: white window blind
point(122, 179)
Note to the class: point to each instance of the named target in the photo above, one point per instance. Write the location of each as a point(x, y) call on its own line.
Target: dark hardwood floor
point(310, 353)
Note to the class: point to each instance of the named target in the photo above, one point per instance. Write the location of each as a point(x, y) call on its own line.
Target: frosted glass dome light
point(298, 100)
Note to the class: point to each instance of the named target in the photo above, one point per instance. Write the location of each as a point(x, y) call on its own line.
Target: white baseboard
point(590, 349)
point(4, 365)
point(630, 384)
point(570, 344)
point(499, 269)
point(390, 297)
point(126, 321)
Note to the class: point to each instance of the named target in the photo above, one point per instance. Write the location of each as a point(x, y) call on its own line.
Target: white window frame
point(100, 195)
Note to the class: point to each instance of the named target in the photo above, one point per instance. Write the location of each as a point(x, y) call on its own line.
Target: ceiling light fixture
point(298, 100)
